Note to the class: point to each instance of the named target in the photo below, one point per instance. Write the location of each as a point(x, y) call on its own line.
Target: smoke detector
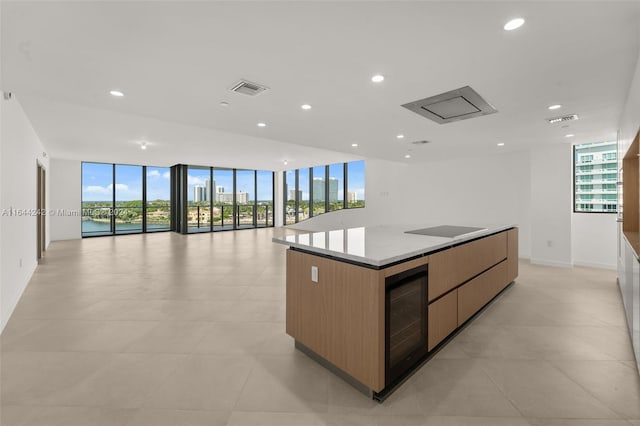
point(247, 87)
point(563, 118)
point(454, 105)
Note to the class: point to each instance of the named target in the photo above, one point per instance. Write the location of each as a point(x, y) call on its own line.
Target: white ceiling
point(176, 60)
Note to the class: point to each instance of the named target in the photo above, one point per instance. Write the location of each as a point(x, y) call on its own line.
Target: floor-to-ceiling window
point(198, 199)
point(304, 208)
point(319, 190)
point(264, 198)
point(223, 199)
point(290, 197)
point(336, 186)
point(158, 199)
point(128, 200)
point(245, 198)
point(97, 199)
point(355, 184)
point(124, 199)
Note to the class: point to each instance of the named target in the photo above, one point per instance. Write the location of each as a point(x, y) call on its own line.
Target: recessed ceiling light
point(401, 136)
point(143, 145)
point(570, 135)
point(224, 104)
point(513, 24)
point(407, 156)
point(116, 93)
point(501, 144)
point(354, 145)
point(285, 162)
point(305, 106)
point(557, 106)
point(378, 78)
point(262, 125)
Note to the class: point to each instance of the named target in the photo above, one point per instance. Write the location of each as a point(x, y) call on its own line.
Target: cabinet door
point(476, 293)
point(442, 318)
point(450, 268)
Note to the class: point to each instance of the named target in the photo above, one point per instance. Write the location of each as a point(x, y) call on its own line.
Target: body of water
point(92, 227)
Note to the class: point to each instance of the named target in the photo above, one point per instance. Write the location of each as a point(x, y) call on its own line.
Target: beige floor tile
point(77, 335)
point(287, 383)
point(203, 383)
point(242, 418)
point(276, 293)
point(123, 383)
point(249, 311)
point(171, 337)
point(246, 338)
point(615, 384)
point(453, 350)
point(17, 415)
point(577, 422)
point(81, 416)
point(442, 384)
point(146, 417)
point(475, 421)
point(540, 390)
point(31, 378)
point(400, 420)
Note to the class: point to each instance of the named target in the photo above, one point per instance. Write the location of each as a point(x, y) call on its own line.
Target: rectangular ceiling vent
point(248, 88)
point(563, 118)
point(455, 105)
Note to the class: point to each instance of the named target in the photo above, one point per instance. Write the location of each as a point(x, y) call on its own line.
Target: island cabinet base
point(338, 312)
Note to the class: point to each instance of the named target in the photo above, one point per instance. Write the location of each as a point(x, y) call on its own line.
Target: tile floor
point(171, 330)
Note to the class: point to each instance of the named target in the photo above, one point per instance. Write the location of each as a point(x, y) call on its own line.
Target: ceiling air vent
point(563, 118)
point(248, 88)
point(420, 142)
point(455, 105)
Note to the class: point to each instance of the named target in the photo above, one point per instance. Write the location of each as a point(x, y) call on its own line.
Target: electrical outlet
point(314, 274)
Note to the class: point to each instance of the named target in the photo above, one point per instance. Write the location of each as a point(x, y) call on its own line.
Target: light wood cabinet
point(449, 268)
point(442, 318)
point(341, 317)
point(479, 291)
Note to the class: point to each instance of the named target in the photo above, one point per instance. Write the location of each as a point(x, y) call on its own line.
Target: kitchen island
point(373, 303)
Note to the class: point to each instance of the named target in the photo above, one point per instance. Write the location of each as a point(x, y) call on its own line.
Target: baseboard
point(555, 263)
point(596, 265)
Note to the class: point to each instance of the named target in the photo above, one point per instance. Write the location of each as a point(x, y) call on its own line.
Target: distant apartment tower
point(199, 194)
point(595, 176)
point(292, 194)
point(227, 197)
point(318, 189)
point(352, 197)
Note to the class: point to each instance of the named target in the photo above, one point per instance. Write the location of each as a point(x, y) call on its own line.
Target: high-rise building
point(333, 190)
point(207, 189)
point(199, 194)
point(292, 194)
point(318, 189)
point(595, 175)
point(352, 197)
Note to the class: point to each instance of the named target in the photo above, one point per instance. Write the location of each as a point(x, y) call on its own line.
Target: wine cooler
point(406, 322)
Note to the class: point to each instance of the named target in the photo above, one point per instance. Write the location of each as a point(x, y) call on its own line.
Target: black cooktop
point(447, 231)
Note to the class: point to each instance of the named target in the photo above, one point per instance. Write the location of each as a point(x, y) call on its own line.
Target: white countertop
point(377, 245)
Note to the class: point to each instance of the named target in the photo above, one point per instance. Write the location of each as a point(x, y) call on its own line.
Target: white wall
point(66, 194)
point(630, 120)
point(594, 240)
point(551, 208)
point(20, 150)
